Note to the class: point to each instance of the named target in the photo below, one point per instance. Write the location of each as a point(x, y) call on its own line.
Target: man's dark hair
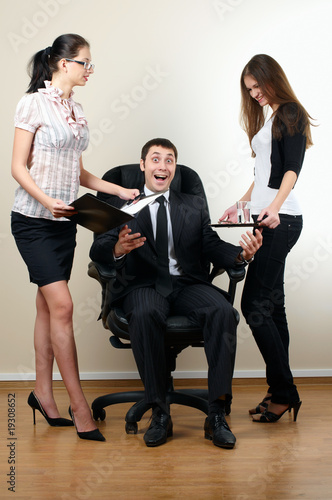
point(164, 143)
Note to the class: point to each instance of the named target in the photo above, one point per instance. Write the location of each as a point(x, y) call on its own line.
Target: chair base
point(194, 398)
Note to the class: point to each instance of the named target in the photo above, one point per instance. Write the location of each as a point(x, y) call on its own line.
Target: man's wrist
point(246, 261)
point(118, 252)
point(118, 257)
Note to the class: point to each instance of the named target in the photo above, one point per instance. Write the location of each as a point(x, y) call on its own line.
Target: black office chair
point(180, 332)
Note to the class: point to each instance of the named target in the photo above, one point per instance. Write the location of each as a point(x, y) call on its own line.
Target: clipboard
point(97, 215)
point(236, 224)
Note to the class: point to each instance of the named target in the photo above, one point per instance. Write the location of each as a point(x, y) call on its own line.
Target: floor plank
point(285, 460)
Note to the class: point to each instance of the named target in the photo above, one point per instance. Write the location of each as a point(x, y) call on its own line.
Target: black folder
point(97, 215)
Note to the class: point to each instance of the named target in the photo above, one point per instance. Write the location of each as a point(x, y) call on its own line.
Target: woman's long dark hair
point(45, 62)
point(290, 115)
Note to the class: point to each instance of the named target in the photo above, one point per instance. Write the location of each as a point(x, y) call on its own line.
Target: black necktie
point(164, 282)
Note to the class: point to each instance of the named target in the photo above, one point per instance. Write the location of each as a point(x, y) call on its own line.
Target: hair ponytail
point(45, 62)
point(39, 71)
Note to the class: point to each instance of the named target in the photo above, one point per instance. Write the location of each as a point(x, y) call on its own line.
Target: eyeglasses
point(85, 64)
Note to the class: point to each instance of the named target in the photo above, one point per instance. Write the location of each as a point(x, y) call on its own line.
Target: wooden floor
point(284, 460)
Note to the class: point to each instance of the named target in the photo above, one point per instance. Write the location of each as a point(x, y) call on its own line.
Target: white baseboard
point(310, 373)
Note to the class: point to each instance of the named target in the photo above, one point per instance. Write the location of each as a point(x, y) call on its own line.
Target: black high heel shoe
point(35, 404)
point(270, 417)
point(94, 435)
point(262, 404)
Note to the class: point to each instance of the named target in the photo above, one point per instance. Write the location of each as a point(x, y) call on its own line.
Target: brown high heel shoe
point(270, 417)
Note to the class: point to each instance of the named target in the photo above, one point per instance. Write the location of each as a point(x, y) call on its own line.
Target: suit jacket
point(196, 244)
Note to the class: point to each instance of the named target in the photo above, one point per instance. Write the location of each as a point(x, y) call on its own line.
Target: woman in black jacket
point(278, 144)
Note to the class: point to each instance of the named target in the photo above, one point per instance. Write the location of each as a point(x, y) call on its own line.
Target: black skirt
point(46, 246)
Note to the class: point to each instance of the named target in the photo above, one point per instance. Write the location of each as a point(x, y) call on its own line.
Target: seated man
point(165, 276)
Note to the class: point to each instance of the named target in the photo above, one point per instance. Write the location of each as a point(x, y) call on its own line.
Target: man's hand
point(127, 242)
point(252, 242)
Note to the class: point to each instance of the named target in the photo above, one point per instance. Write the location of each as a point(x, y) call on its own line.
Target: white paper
point(134, 208)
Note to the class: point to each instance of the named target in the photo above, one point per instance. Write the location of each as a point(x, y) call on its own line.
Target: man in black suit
point(154, 289)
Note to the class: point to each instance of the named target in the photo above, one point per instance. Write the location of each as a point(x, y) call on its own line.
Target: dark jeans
point(263, 306)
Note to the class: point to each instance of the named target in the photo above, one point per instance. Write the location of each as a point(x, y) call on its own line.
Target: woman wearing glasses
point(50, 135)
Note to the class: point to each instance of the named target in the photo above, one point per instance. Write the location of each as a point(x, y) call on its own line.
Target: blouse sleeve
point(27, 114)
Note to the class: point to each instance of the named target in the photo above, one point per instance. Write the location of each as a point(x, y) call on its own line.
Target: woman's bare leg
point(60, 306)
point(44, 357)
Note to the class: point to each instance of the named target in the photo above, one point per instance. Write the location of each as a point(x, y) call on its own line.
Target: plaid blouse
point(60, 135)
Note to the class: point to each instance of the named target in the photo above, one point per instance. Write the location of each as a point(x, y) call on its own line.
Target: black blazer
point(195, 244)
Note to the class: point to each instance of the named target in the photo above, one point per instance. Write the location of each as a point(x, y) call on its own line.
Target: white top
point(60, 135)
point(262, 196)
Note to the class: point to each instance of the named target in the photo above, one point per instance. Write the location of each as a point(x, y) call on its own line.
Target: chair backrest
point(186, 180)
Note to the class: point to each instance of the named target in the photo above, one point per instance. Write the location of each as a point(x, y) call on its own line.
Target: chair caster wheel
point(99, 414)
point(131, 427)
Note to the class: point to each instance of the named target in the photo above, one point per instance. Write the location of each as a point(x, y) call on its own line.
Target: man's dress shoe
point(160, 428)
point(217, 430)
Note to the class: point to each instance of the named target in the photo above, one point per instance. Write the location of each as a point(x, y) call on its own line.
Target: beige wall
point(171, 68)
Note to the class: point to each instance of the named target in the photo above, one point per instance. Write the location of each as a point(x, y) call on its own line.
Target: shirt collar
point(56, 92)
point(147, 192)
point(67, 106)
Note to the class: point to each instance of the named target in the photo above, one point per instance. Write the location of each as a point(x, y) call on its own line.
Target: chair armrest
point(101, 272)
point(105, 274)
point(236, 274)
point(118, 344)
